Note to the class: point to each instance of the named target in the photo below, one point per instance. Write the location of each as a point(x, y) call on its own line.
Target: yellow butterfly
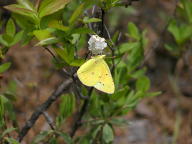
point(95, 72)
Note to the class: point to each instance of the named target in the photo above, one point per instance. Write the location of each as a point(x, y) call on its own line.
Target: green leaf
point(4, 67)
point(48, 7)
point(107, 134)
point(119, 93)
point(96, 130)
point(133, 31)
point(7, 131)
point(126, 47)
point(77, 62)
point(186, 33)
point(17, 38)
point(24, 22)
point(41, 136)
point(19, 9)
point(66, 138)
point(91, 20)
point(11, 141)
point(67, 54)
point(42, 34)
point(143, 84)
point(7, 38)
point(119, 121)
point(64, 55)
point(152, 94)
point(11, 96)
point(76, 14)
point(10, 28)
point(53, 140)
point(115, 37)
point(3, 42)
point(135, 57)
point(174, 30)
point(175, 49)
point(26, 4)
point(48, 41)
point(67, 105)
point(138, 73)
point(56, 24)
point(188, 9)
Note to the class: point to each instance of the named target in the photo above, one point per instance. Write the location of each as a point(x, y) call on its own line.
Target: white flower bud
point(96, 44)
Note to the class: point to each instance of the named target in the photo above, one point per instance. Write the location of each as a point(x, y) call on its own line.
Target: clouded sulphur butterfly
point(95, 72)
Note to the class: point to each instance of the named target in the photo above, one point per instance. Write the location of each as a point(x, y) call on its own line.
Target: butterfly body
point(95, 72)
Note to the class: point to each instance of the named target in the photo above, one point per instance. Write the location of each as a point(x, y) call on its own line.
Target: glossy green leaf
point(19, 9)
point(4, 67)
point(42, 34)
point(26, 4)
point(48, 7)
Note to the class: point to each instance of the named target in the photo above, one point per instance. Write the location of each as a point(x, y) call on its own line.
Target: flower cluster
point(96, 44)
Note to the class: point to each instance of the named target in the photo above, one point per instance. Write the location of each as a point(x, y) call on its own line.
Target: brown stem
point(43, 107)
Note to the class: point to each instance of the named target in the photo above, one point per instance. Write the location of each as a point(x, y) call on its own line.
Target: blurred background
point(164, 119)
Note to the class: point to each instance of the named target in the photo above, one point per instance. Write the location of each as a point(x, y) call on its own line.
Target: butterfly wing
point(88, 73)
point(105, 82)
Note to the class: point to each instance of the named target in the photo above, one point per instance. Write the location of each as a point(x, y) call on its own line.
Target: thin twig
point(43, 107)
point(78, 120)
point(112, 50)
point(102, 21)
point(108, 34)
point(49, 120)
point(50, 52)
